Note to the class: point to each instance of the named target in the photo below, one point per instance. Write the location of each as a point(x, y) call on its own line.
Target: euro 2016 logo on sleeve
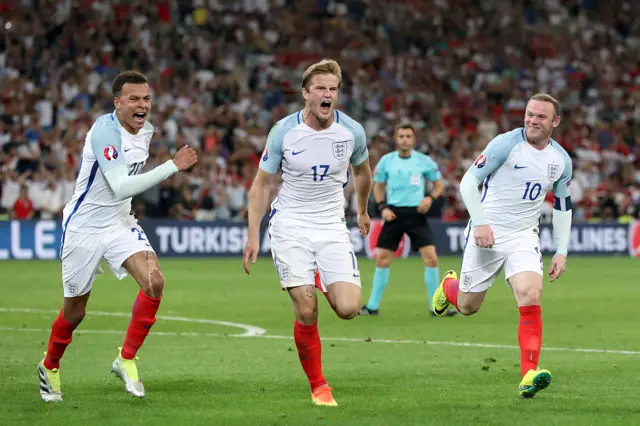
point(552, 172)
point(340, 150)
point(481, 161)
point(265, 157)
point(110, 152)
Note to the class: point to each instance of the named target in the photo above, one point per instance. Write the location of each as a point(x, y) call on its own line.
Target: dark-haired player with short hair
point(98, 224)
point(399, 188)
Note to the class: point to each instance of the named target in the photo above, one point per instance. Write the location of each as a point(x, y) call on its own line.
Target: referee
point(401, 175)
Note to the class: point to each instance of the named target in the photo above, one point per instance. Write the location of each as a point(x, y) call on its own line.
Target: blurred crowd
point(222, 72)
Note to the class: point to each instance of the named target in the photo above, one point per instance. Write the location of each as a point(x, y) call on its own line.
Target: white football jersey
point(516, 178)
point(94, 207)
point(314, 165)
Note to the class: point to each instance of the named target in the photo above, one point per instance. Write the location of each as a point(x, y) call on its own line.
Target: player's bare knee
point(152, 282)
point(156, 284)
point(307, 315)
point(530, 296)
point(469, 303)
point(75, 316)
point(74, 310)
point(468, 308)
point(346, 310)
point(430, 261)
point(429, 256)
point(383, 259)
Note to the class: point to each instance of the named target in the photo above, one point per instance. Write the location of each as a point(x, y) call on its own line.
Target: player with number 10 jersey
point(515, 171)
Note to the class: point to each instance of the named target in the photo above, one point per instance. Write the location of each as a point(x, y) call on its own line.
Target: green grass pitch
point(203, 373)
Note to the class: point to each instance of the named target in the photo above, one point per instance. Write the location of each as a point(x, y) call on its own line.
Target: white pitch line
point(460, 344)
point(249, 330)
point(123, 332)
point(335, 339)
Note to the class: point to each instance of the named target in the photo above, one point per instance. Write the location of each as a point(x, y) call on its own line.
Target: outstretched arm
point(107, 147)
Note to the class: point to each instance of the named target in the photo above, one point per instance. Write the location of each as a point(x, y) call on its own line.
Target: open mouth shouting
point(325, 107)
point(139, 117)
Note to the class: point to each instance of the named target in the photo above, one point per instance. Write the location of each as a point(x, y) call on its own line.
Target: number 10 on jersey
point(532, 191)
point(323, 169)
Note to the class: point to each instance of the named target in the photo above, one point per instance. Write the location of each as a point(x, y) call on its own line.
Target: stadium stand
point(223, 72)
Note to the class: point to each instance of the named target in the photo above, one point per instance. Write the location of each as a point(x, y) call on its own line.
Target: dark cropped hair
point(131, 77)
point(404, 126)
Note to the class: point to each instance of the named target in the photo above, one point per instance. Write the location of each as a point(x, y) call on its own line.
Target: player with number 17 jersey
point(313, 149)
point(314, 168)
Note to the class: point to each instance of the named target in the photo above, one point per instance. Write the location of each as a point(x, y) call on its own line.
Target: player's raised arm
point(259, 194)
point(493, 156)
point(362, 178)
point(106, 145)
point(562, 213)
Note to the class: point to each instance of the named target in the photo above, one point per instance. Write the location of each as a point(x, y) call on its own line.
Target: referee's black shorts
point(408, 221)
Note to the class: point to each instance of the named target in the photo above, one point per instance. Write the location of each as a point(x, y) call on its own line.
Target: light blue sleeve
point(431, 170)
point(106, 143)
point(561, 192)
point(494, 155)
point(380, 174)
point(273, 151)
point(360, 151)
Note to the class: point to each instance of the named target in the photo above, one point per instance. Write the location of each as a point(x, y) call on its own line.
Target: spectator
point(221, 200)
point(52, 199)
point(23, 207)
point(460, 77)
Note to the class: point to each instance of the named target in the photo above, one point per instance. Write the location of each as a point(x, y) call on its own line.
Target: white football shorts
point(298, 250)
point(481, 266)
point(81, 253)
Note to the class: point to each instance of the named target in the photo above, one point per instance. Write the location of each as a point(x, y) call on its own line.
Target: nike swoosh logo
point(299, 152)
point(519, 167)
point(440, 312)
point(128, 149)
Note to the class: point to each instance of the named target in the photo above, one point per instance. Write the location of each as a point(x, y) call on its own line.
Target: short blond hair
point(545, 97)
point(325, 66)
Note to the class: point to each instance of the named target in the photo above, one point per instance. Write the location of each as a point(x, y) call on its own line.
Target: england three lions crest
point(552, 172)
point(340, 150)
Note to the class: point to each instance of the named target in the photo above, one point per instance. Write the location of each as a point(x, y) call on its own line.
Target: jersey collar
point(524, 138)
point(336, 118)
point(114, 117)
